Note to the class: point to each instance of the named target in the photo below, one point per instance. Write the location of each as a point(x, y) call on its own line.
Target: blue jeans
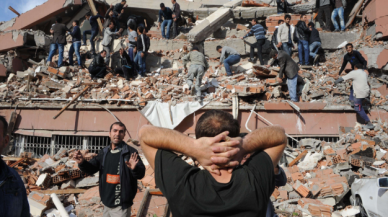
point(287, 48)
point(53, 49)
point(231, 60)
point(358, 106)
point(140, 63)
point(93, 35)
point(303, 48)
point(75, 47)
point(168, 23)
point(338, 12)
point(314, 48)
point(291, 84)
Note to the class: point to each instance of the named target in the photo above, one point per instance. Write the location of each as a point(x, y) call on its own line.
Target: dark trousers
point(93, 35)
point(175, 28)
point(97, 71)
point(125, 71)
point(259, 45)
point(327, 11)
point(358, 106)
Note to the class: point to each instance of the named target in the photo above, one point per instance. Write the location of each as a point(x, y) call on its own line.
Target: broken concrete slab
point(331, 40)
point(87, 182)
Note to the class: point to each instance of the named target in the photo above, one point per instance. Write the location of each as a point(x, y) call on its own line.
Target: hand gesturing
point(132, 162)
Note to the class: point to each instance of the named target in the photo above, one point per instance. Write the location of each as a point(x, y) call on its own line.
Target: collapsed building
point(82, 109)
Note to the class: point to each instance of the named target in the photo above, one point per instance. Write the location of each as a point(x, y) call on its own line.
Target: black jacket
point(124, 60)
point(274, 40)
point(302, 32)
point(353, 59)
point(318, 3)
point(143, 46)
point(314, 36)
point(283, 8)
point(76, 34)
point(115, 19)
point(60, 33)
point(98, 61)
point(287, 65)
point(128, 177)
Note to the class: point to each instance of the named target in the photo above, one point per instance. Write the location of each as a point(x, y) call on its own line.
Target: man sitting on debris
point(59, 41)
point(191, 191)
point(13, 197)
point(119, 168)
point(125, 67)
point(76, 44)
point(107, 41)
point(282, 6)
point(143, 45)
point(166, 13)
point(302, 35)
point(315, 43)
point(198, 67)
point(93, 32)
point(229, 57)
point(285, 36)
point(259, 32)
point(288, 67)
point(359, 92)
point(97, 68)
point(274, 40)
point(353, 57)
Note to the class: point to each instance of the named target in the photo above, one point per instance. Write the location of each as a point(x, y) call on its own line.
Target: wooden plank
point(94, 11)
point(352, 15)
point(143, 203)
point(298, 158)
point(74, 99)
point(66, 191)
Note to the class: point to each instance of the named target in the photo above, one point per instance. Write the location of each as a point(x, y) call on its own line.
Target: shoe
point(336, 30)
point(316, 58)
point(250, 60)
point(192, 90)
point(369, 126)
point(138, 77)
point(83, 44)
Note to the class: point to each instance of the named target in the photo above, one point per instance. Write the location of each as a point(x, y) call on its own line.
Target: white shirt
point(360, 83)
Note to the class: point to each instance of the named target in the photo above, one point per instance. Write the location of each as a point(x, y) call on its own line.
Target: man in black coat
point(324, 8)
point(98, 68)
point(59, 41)
point(125, 67)
point(302, 34)
point(283, 6)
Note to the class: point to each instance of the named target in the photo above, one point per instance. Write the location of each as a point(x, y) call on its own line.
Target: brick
point(241, 27)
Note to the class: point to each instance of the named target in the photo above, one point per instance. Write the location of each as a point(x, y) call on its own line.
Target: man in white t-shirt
point(360, 91)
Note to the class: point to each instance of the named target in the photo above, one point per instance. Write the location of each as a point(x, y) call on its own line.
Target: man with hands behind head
point(222, 189)
point(119, 168)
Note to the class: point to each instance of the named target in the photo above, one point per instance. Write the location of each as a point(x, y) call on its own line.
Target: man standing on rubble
point(93, 32)
point(166, 13)
point(290, 69)
point(302, 34)
point(76, 44)
point(216, 191)
point(119, 167)
point(339, 11)
point(229, 57)
point(176, 16)
point(198, 67)
point(13, 197)
point(285, 36)
point(359, 92)
point(259, 32)
point(315, 43)
point(143, 45)
point(111, 16)
point(97, 68)
point(324, 9)
point(107, 41)
point(274, 40)
point(59, 41)
point(282, 6)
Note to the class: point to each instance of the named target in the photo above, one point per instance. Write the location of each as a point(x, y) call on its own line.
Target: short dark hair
point(162, 5)
point(59, 19)
point(359, 66)
point(280, 21)
point(88, 14)
point(287, 16)
point(214, 122)
point(218, 47)
point(302, 15)
point(311, 24)
point(111, 23)
point(117, 123)
point(103, 51)
point(256, 20)
point(132, 26)
point(123, 0)
point(5, 125)
point(76, 22)
point(349, 44)
point(273, 53)
point(195, 48)
point(141, 29)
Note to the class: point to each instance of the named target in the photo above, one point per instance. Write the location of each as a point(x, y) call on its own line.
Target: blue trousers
point(303, 51)
point(314, 48)
point(140, 63)
point(287, 48)
point(75, 48)
point(340, 13)
point(168, 23)
point(358, 106)
point(292, 83)
point(53, 49)
point(93, 35)
point(231, 60)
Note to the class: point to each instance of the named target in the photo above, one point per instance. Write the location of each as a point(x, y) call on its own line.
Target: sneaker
point(250, 60)
point(369, 126)
point(316, 59)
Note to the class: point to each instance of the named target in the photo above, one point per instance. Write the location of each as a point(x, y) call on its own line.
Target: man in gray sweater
point(229, 57)
point(197, 69)
point(107, 40)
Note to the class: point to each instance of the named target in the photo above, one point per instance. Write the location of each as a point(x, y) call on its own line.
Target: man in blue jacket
point(76, 43)
point(259, 32)
point(13, 197)
point(93, 32)
point(119, 167)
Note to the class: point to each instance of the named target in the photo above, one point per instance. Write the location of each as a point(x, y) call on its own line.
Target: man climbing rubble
point(13, 197)
point(197, 69)
point(107, 41)
point(288, 67)
point(229, 57)
point(119, 167)
point(259, 32)
point(359, 92)
point(218, 190)
point(93, 32)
